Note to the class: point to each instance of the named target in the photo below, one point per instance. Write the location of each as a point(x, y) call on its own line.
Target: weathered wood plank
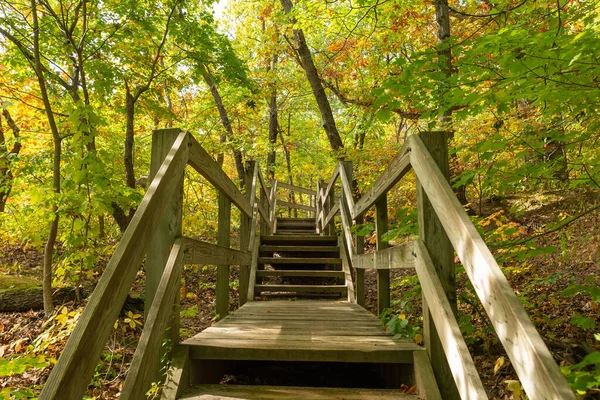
point(270, 329)
point(331, 214)
point(399, 166)
point(263, 185)
point(293, 260)
point(328, 189)
point(345, 168)
point(202, 253)
point(82, 351)
point(145, 364)
point(302, 288)
point(295, 249)
point(440, 249)
point(230, 392)
point(383, 275)
point(347, 272)
point(224, 240)
point(390, 258)
point(302, 272)
point(295, 188)
point(178, 374)
point(288, 204)
point(273, 201)
point(424, 378)
point(253, 270)
point(202, 162)
point(457, 353)
point(538, 372)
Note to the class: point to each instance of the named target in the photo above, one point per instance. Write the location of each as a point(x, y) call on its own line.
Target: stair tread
point(291, 238)
point(300, 288)
point(284, 248)
point(306, 273)
point(299, 260)
point(243, 392)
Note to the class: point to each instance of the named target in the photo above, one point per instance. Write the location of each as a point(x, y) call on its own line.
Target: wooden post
point(383, 275)
point(440, 249)
point(318, 207)
point(360, 248)
point(331, 203)
point(224, 239)
point(245, 227)
point(168, 229)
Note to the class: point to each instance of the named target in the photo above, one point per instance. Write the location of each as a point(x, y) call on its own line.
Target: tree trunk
point(288, 163)
point(129, 141)
point(273, 127)
point(237, 154)
point(6, 175)
point(315, 83)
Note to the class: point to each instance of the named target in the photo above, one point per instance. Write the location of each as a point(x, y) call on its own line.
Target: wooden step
point(303, 260)
point(342, 289)
point(243, 392)
point(285, 231)
point(300, 249)
point(306, 239)
point(306, 273)
point(296, 220)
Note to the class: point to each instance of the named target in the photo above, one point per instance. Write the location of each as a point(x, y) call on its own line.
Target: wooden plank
point(253, 270)
point(424, 378)
point(328, 189)
point(391, 258)
point(346, 271)
point(202, 162)
point(302, 288)
point(170, 224)
point(247, 228)
point(302, 350)
point(224, 240)
point(331, 214)
point(293, 260)
point(288, 204)
point(298, 249)
point(263, 185)
point(145, 363)
point(202, 253)
point(399, 166)
point(253, 227)
point(297, 340)
point(303, 272)
point(337, 330)
point(230, 392)
point(82, 351)
point(318, 210)
point(457, 353)
point(178, 378)
point(273, 201)
point(538, 372)
point(383, 275)
point(345, 168)
point(295, 188)
point(440, 249)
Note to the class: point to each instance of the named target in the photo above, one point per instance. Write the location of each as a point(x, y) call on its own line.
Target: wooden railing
point(444, 227)
point(300, 200)
point(155, 231)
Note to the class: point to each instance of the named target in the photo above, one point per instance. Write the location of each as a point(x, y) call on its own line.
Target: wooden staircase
point(296, 262)
point(321, 332)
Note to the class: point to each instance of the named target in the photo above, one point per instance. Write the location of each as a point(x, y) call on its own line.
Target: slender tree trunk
point(273, 127)
point(237, 154)
point(129, 140)
point(315, 83)
point(6, 175)
point(51, 241)
point(288, 163)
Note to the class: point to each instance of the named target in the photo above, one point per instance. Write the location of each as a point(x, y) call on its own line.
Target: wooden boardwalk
point(302, 330)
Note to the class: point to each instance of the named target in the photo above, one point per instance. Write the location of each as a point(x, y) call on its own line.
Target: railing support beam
point(434, 237)
point(224, 239)
point(383, 276)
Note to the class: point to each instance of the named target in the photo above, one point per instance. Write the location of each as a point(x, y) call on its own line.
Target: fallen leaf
point(499, 364)
point(418, 339)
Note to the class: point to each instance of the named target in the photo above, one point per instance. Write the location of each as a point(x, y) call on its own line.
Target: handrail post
point(245, 226)
point(359, 239)
point(224, 239)
point(331, 203)
point(433, 235)
point(383, 275)
point(168, 229)
point(320, 226)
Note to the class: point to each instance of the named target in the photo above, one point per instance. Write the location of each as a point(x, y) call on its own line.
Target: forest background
point(83, 84)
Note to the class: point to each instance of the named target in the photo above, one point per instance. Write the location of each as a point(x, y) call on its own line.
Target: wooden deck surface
point(303, 330)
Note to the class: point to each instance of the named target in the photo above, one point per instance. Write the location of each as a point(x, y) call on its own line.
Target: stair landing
point(304, 330)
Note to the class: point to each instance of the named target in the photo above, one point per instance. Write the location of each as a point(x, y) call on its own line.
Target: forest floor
point(565, 314)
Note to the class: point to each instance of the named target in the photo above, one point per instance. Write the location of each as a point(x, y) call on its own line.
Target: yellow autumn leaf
point(418, 338)
point(402, 316)
point(499, 364)
point(515, 388)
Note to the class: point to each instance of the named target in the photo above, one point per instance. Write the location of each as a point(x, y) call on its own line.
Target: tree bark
point(273, 126)
point(237, 154)
point(6, 175)
point(315, 83)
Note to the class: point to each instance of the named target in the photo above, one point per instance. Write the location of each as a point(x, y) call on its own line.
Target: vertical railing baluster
point(223, 239)
point(383, 275)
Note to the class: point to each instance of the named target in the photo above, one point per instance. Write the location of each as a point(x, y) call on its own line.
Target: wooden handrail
point(295, 188)
point(202, 253)
point(147, 354)
point(459, 359)
point(538, 372)
point(71, 374)
point(202, 162)
point(397, 168)
point(295, 205)
point(533, 362)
